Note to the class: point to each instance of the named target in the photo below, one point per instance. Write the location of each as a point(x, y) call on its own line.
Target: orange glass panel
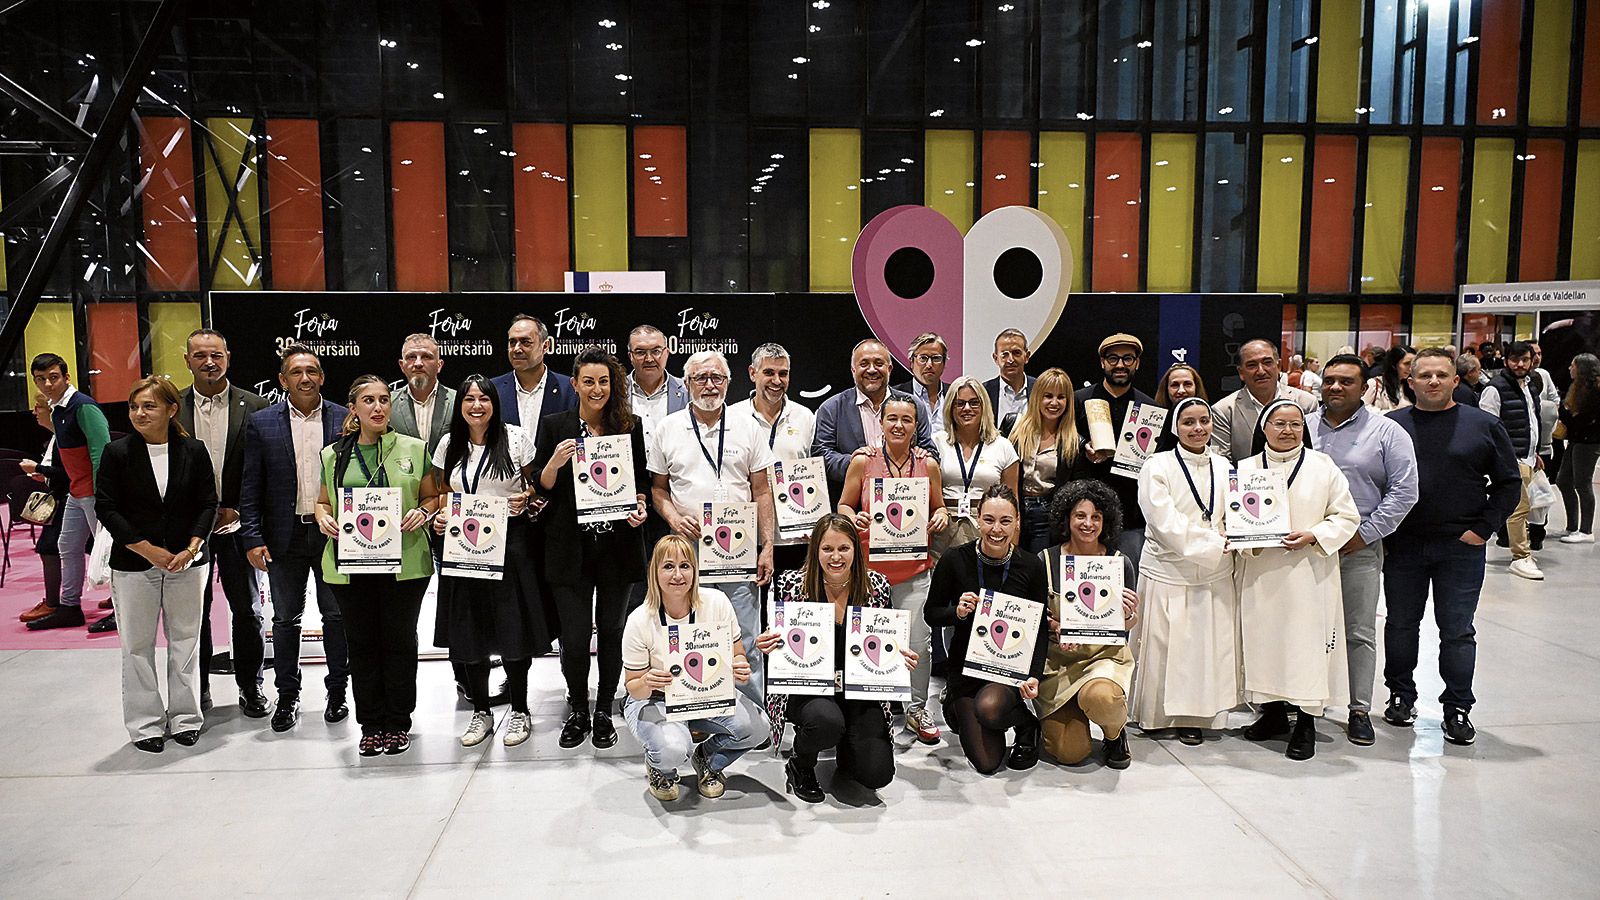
point(1007, 177)
point(543, 238)
point(1500, 50)
point(1438, 196)
point(1118, 169)
point(660, 181)
point(113, 350)
point(1333, 207)
point(421, 230)
point(1541, 210)
point(1379, 325)
point(166, 202)
point(294, 205)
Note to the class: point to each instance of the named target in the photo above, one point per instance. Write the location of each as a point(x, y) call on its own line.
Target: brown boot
point(44, 608)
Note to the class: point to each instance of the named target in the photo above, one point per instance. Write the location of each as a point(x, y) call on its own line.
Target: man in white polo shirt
point(786, 426)
point(701, 455)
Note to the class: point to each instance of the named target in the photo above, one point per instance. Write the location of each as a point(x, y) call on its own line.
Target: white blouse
point(161, 465)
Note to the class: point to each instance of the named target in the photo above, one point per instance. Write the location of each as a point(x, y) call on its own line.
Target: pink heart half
point(597, 471)
point(797, 494)
point(724, 537)
point(1143, 437)
point(797, 642)
point(1000, 632)
point(895, 512)
point(472, 530)
point(874, 646)
point(364, 524)
point(1252, 504)
point(694, 664)
point(1087, 594)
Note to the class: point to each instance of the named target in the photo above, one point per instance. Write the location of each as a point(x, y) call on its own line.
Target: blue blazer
point(267, 490)
point(839, 433)
point(558, 397)
point(677, 394)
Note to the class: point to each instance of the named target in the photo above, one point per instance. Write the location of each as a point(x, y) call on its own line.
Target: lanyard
point(899, 471)
point(383, 474)
point(1205, 508)
point(722, 434)
point(477, 476)
point(1005, 569)
point(966, 474)
point(661, 609)
point(772, 433)
point(1297, 464)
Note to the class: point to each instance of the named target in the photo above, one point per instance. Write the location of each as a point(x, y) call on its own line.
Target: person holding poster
point(1086, 683)
point(1120, 355)
point(1291, 605)
point(973, 457)
point(591, 565)
point(908, 578)
point(1187, 657)
point(674, 597)
point(482, 457)
point(1051, 451)
point(380, 610)
point(790, 429)
point(982, 711)
point(835, 574)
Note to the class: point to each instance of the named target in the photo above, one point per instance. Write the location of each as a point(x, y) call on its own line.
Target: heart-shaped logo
point(797, 642)
point(895, 512)
point(365, 524)
point(999, 632)
point(874, 647)
point(473, 530)
point(598, 471)
point(1252, 504)
point(695, 665)
point(797, 494)
point(913, 272)
point(1087, 595)
point(724, 536)
point(1143, 437)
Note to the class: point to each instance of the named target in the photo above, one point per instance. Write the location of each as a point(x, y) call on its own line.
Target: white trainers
point(518, 727)
point(1526, 568)
point(1578, 537)
point(478, 730)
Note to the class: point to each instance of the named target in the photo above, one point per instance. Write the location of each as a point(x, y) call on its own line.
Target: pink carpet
point(24, 587)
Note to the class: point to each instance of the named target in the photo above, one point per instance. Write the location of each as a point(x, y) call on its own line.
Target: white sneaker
point(1526, 568)
point(1578, 537)
point(518, 727)
point(481, 727)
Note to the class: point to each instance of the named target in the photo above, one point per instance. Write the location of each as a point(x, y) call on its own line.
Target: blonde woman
point(1050, 451)
point(973, 457)
point(674, 596)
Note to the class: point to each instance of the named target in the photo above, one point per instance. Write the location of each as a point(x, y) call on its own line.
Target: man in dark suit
point(277, 506)
point(1008, 391)
point(848, 420)
point(424, 408)
point(214, 412)
point(530, 391)
point(928, 354)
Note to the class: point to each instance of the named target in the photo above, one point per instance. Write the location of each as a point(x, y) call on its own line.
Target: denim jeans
point(286, 575)
point(668, 745)
point(1035, 523)
point(78, 523)
point(1454, 570)
point(746, 600)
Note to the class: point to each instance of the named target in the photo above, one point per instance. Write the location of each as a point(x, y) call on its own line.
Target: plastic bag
point(100, 558)
point(1541, 494)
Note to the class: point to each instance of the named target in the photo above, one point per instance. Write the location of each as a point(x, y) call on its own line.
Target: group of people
point(1379, 492)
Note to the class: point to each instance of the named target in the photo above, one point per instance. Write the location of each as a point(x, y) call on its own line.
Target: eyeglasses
point(1126, 359)
point(710, 379)
point(928, 359)
point(647, 352)
point(967, 404)
point(1287, 426)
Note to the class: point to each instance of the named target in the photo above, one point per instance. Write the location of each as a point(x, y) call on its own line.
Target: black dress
point(956, 574)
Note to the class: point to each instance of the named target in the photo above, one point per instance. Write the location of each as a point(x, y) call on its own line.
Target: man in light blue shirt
point(1380, 462)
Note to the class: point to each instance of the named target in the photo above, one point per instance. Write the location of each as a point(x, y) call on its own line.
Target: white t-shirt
point(993, 460)
point(644, 641)
point(790, 437)
point(676, 453)
point(521, 449)
point(161, 465)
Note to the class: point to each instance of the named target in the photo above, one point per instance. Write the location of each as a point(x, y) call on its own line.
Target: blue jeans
point(286, 576)
point(746, 600)
point(1035, 523)
point(1454, 570)
point(668, 745)
point(78, 523)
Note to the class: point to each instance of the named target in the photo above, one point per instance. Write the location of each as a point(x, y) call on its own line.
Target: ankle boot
point(800, 779)
point(1303, 743)
point(1273, 723)
point(1025, 752)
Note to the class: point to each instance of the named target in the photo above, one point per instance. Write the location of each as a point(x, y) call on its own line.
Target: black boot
point(1273, 723)
point(801, 781)
point(1303, 743)
point(576, 728)
point(1025, 752)
point(1116, 750)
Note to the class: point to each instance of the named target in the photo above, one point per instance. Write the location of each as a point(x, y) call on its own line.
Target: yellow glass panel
point(1339, 61)
point(600, 197)
point(1061, 193)
point(1524, 327)
point(1383, 238)
point(1488, 239)
point(1282, 181)
point(1550, 63)
point(51, 330)
point(228, 155)
point(1171, 243)
point(170, 325)
point(947, 184)
point(1433, 325)
point(1327, 329)
point(1586, 213)
point(835, 205)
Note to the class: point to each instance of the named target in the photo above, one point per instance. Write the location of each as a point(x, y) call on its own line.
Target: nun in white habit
point(1187, 671)
point(1290, 603)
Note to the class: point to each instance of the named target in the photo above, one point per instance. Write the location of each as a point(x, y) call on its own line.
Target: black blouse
point(957, 573)
point(564, 546)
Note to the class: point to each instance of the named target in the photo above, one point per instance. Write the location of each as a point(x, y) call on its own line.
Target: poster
point(602, 478)
point(1141, 428)
point(1091, 600)
point(800, 496)
point(700, 658)
point(369, 531)
point(899, 528)
point(804, 663)
point(874, 668)
point(475, 537)
point(1004, 629)
point(728, 542)
point(1257, 514)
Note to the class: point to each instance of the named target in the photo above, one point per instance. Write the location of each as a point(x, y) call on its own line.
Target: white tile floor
point(82, 814)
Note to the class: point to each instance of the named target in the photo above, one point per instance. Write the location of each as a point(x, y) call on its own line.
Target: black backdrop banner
point(360, 333)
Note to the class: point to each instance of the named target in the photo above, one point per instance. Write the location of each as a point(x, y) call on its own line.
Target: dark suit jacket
point(403, 415)
point(267, 492)
point(839, 433)
point(241, 405)
point(558, 397)
point(132, 509)
point(993, 387)
point(622, 548)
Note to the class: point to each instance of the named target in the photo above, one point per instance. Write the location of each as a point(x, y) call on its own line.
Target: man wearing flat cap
point(1119, 362)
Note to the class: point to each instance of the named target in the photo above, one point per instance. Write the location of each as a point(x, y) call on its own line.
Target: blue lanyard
point(1205, 508)
point(1297, 464)
point(1005, 569)
point(966, 475)
point(477, 475)
point(383, 474)
point(722, 434)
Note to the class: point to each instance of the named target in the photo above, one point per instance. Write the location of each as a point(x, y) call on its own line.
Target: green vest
point(405, 459)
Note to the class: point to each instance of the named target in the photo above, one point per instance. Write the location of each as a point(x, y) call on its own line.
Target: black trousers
point(380, 624)
point(243, 595)
point(856, 727)
point(597, 601)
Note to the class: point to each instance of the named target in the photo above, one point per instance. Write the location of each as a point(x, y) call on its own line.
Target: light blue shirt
point(1378, 459)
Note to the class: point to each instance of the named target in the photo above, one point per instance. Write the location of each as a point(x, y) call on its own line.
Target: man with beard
point(423, 409)
point(1119, 362)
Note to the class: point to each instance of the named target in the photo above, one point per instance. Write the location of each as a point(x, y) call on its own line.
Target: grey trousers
point(1360, 576)
point(177, 600)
